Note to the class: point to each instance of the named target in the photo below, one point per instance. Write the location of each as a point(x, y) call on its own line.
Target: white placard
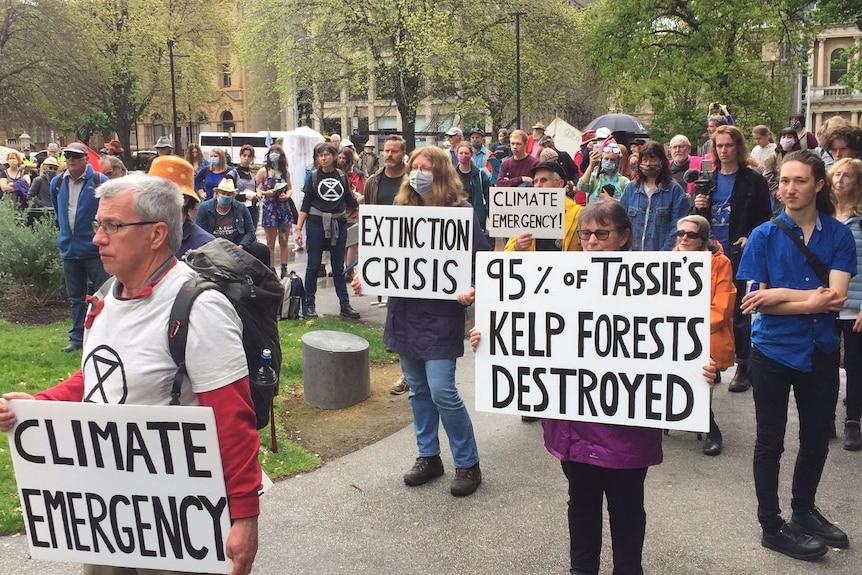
point(610, 337)
point(415, 251)
point(539, 211)
point(122, 485)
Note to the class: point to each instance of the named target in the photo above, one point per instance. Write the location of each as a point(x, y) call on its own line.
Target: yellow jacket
point(570, 241)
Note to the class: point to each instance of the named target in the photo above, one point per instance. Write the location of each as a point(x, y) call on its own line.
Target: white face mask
point(786, 144)
point(421, 181)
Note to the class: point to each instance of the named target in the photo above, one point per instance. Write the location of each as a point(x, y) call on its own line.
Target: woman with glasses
point(692, 233)
point(654, 201)
point(602, 179)
point(603, 460)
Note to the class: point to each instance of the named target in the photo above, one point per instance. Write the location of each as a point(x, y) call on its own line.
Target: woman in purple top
point(602, 460)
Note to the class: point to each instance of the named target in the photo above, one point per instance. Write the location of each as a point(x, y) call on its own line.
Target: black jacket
point(750, 206)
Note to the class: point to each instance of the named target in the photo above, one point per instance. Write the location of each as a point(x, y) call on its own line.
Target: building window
point(837, 66)
point(227, 123)
point(225, 76)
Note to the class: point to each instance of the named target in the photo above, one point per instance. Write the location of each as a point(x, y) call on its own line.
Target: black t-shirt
point(387, 189)
point(678, 171)
point(327, 192)
point(465, 181)
point(225, 227)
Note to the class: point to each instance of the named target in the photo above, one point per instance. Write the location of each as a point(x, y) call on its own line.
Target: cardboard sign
point(604, 337)
point(416, 252)
point(539, 211)
point(122, 485)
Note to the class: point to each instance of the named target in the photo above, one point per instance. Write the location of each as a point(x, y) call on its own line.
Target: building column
point(822, 68)
point(854, 118)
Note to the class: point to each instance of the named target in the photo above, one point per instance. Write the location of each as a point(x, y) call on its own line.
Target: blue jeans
point(434, 398)
point(315, 243)
point(79, 275)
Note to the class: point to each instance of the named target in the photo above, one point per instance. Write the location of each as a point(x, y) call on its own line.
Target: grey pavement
point(355, 516)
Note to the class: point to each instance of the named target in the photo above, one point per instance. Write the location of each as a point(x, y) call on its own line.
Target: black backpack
point(294, 296)
point(256, 295)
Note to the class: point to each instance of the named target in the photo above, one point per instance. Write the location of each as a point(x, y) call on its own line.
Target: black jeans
point(853, 367)
point(624, 488)
point(815, 401)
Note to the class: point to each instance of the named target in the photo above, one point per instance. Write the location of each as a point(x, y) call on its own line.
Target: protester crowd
point(781, 221)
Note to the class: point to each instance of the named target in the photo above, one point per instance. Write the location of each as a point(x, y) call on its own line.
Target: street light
point(517, 16)
point(174, 99)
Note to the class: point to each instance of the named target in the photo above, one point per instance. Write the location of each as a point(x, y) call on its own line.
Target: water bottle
point(263, 388)
point(752, 286)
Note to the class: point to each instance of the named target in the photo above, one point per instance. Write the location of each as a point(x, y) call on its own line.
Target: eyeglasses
point(112, 228)
point(689, 235)
point(601, 235)
point(74, 156)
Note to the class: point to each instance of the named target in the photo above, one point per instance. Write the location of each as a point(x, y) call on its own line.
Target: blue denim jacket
point(654, 218)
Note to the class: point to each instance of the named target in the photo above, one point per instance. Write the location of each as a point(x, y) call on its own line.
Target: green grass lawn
point(31, 360)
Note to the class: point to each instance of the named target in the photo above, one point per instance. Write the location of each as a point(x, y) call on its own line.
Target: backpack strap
point(178, 331)
point(818, 266)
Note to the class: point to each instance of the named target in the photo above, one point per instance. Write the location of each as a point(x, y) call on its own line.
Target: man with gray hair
point(138, 229)
point(682, 161)
point(112, 166)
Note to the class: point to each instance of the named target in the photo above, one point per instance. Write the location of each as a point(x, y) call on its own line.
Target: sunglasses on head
point(689, 235)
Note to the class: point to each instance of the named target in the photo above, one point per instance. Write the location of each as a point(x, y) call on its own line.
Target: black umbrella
point(619, 123)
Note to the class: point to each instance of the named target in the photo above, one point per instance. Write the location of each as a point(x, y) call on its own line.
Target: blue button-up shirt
point(771, 257)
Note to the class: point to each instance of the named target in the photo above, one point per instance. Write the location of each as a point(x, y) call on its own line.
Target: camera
point(716, 106)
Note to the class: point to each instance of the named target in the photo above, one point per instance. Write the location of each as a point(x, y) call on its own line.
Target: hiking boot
point(348, 312)
point(310, 312)
point(424, 470)
point(401, 386)
point(852, 436)
point(741, 380)
point(467, 480)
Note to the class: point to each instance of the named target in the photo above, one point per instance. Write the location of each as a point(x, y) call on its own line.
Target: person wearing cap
point(481, 155)
point(182, 173)
point(163, 148)
point(26, 157)
point(225, 217)
point(73, 197)
point(369, 161)
point(582, 158)
point(533, 147)
point(515, 171)
point(550, 175)
point(40, 190)
point(562, 157)
point(454, 136)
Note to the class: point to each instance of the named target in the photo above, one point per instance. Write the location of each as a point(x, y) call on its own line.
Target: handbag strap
point(818, 266)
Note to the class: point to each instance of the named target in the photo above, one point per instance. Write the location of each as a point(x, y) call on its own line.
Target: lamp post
point(177, 149)
point(517, 16)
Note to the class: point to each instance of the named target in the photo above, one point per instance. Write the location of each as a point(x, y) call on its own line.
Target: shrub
point(29, 257)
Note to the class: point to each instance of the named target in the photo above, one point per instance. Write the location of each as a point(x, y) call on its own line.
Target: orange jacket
point(721, 344)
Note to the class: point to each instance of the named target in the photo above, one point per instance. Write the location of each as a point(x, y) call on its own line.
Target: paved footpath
point(355, 516)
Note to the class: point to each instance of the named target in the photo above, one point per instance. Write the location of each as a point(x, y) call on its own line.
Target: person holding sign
point(692, 233)
point(802, 261)
point(427, 334)
point(126, 359)
point(550, 175)
point(602, 460)
point(326, 195)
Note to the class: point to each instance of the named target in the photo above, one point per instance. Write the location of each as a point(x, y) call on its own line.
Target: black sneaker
point(310, 312)
point(348, 312)
point(814, 524)
point(466, 481)
point(852, 436)
point(424, 470)
point(793, 544)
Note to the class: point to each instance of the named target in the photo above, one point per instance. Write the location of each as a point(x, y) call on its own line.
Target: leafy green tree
point(674, 58)
point(830, 12)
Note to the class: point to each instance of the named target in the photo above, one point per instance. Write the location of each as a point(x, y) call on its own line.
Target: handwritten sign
point(611, 337)
point(539, 211)
point(416, 252)
point(129, 486)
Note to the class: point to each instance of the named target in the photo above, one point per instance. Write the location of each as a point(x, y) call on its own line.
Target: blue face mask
point(609, 166)
point(224, 201)
point(274, 158)
point(214, 161)
point(422, 182)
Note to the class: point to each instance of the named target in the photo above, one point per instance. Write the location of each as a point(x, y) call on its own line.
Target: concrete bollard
point(336, 372)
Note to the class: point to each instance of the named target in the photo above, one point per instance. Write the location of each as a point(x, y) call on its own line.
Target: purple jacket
point(603, 445)
point(426, 329)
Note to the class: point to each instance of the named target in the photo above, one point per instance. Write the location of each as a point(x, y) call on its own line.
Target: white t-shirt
point(126, 357)
point(760, 153)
